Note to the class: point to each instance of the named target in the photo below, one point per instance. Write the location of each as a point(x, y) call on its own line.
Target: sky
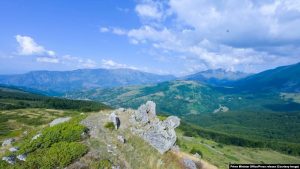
point(176, 37)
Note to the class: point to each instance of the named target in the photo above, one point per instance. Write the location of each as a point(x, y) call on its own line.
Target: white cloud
point(149, 34)
point(119, 31)
point(110, 64)
point(78, 62)
point(261, 20)
point(149, 10)
point(104, 29)
point(27, 46)
point(114, 30)
point(88, 63)
point(47, 59)
point(217, 34)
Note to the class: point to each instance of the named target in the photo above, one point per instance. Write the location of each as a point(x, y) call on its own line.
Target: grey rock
point(146, 112)
point(13, 149)
point(115, 119)
point(171, 122)
point(36, 136)
point(25, 132)
point(160, 138)
point(22, 157)
point(151, 109)
point(115, 167)
point(189, 164)
point(141, 114)
point(197, 155)
point(8, 142)
point(159, 134)
point(59, 120)
point(121, 139)
point(9, 159)
point(84, 135)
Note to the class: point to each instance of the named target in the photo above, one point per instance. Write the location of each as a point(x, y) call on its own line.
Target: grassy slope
point(11, 98)
point(15, 122)
point(21, 111)
point(221, 155)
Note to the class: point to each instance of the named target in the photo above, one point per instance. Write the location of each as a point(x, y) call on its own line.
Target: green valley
point(267, 117)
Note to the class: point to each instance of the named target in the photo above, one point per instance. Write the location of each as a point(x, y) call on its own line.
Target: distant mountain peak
point(216, 76)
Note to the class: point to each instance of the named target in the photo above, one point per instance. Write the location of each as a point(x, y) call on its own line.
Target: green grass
point(22, 111)
point(14, 122)
point(109, 125)
point(18, 99)
point(57, 147)
point(104, 164)
point(222, 155)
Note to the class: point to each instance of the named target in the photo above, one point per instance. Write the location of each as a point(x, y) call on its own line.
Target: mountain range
point(58, 82)
point(284, 79)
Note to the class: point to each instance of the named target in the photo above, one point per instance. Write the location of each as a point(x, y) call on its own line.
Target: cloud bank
point(245, 35)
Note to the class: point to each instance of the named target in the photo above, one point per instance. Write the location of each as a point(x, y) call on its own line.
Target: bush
point(69, 131)
point(220, 145)
point(194, 151)
point(105, 164)
point(109, 125)
point(58, 155)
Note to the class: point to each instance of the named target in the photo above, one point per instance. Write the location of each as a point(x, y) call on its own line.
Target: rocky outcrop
point(159, 134)
point(8, 142)
point(59, 120)
point(115, 119)
point(9, 159)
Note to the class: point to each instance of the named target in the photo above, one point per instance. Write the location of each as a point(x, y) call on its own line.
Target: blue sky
point(167, 37)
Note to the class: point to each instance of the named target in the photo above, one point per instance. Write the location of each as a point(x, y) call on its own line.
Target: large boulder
point(115, 119)
point(159, 134)
point(171, 122)
point(141, 114)
point(151, 109)
point(146, 112)
point(159, 137)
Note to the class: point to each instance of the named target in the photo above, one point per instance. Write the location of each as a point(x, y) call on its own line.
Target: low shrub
point(59, 155)
point(69, 131)
point(105, 164)
point(195, 150)
point(109, 125)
